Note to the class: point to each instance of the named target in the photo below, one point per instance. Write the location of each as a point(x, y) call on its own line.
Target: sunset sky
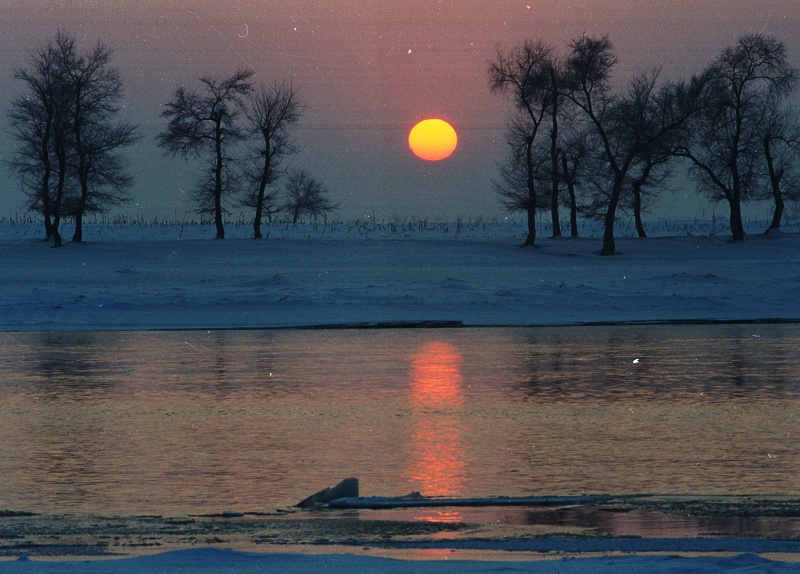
point(368, 72)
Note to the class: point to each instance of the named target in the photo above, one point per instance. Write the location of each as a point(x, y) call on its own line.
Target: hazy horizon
point(367, 71)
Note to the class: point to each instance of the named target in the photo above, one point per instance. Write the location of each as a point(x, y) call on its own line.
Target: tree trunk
point(735, 199)
point(46, 174)
point(83, 168)
point(262, 187)
point(77, 237)
point(775, 182)
point(218, 223)
point(48, 222)
point(62, 178)
point(737, 226)
point(259, 209)
point(530, 239)
point(609, 246)
point(257, 223)
point(56, 228)
point(573, 211)
point(778, 214)
point(554, 162)
point(637, 209)
point(218, 181)
point(529, 182)
point(573, 202)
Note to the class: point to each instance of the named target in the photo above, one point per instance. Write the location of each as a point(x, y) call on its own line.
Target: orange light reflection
point(436, 375)
point(438, 462)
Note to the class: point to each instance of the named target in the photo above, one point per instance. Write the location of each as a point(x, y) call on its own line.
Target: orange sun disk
point(432, 139)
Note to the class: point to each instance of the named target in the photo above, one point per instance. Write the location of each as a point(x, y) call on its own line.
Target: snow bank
point(164, 277)
point(208, 561)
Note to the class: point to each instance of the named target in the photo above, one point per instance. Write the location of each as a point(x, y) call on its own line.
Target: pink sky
point(368, 70)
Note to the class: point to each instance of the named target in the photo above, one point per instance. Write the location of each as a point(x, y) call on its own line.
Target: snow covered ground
point(175, 277)
point(211, 561)
point(164, 277)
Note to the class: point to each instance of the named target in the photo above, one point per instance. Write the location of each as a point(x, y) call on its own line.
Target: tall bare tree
point(781, 143)
point(204, 124)
point(271, 113)
point(39, 120)
point(573, 153)
point(523, 75)
point(96, 90)
point(624, 124)
point(728, 134)
point(70, 139)
point(557, 78)
point(526, 163)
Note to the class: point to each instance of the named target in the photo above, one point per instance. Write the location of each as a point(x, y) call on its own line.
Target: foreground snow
point(207, 561)
point(168, 277)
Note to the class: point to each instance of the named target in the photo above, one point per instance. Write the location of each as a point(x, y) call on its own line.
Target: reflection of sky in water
point(183, 422)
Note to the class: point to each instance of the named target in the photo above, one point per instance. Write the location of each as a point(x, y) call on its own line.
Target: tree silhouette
point(39, 120)
point(204, 124)
point(573, 156)
point(70, 141)
point(524, 158)
point(306, 196)
point(625, 125)
point(96, 89)
point(271, 112)
point(524, 75)
point(781, 143)
point(727, 136)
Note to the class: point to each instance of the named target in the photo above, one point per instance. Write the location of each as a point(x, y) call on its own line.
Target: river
point(205, 421)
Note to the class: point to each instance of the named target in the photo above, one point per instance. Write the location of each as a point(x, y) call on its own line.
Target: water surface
point(189, 422)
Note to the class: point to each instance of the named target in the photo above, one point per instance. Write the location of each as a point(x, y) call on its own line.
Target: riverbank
point(155, 277)
point(564, 539)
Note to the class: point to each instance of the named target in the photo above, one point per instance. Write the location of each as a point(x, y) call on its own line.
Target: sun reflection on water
point(438, 460)
point(436, 375)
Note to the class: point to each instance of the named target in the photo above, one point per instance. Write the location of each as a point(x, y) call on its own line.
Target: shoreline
point(432, 324)
point(637, 524)
point(124, 283)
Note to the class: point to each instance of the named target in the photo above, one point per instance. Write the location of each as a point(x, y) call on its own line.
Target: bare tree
point(523, 74)
point(589, 68)
point(652, 174)
point(781, 144)
point(524, 163)
point(96, 90)
point(573, 153)
point(728, 134)
point(557, 78)
point(39, 120)
point(205, 124)
point(271, 112)
point(70, 141)
point(673, 101)
point(624, 124)
point(306, 196)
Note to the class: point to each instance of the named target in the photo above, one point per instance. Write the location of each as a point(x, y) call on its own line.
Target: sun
point(432, 139)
